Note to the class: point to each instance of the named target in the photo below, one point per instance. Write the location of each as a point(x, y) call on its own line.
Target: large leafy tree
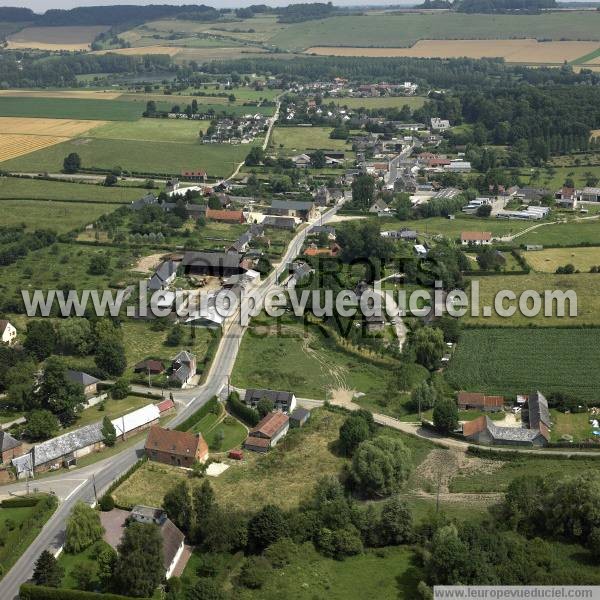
point(139, 567)
point(445, 415)
point(59, 395)
point(429, 346)
point(363, 191)
point(41, 339)
point(204, 502)
point(266, 527)
point(178, 504)
point(83, 528)
point(396, 522)
point(353, 431)
point(109, 433)
point(381, 466)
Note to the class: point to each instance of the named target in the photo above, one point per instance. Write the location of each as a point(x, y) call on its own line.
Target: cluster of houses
point(568, 197)
point(340, 86)
point(242, 130)
point(534, 429)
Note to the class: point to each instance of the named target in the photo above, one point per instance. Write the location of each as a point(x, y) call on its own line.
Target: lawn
point(112, 409)
point(60, 217)
point(548, 260)
point(382, 102)
point(576, 425)
point(157, 158)
point(554, 178)
point(210, 426)
point(68, 108)
point(517, 361)
point(498, 474)
point(14, 188)
point(142, 342)
point(19, 527)
point(287, 357)
point(585, 285)
point(298, 140)
point(152, 130)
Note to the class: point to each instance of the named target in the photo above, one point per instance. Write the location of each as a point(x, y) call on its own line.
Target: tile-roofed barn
point(225, 216)
point(475, 237)
point(52, 451)
point(172, 447)
point(218, 264)
point(480, 401)
point(270, 425)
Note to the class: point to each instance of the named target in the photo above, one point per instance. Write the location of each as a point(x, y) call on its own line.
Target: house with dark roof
point(183, 367)
point(299, 417)
point(241, 244)
point(88, 382)
point(282, 401)
point(178, 448)
point(164, 275)
point(294, 208)
point(274, 222)
point(10, 447)
point(268, 432)
point(147, 200)
point(216, 264)
point(149, 366)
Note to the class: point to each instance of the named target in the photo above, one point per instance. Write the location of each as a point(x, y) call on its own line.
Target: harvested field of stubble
point(517, 51)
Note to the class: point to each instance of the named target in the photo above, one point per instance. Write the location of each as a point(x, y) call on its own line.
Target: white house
point(477, 238)
point(8, 334)
point(439, 124)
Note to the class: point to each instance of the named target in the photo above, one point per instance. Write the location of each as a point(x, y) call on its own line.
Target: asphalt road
point(78, 484)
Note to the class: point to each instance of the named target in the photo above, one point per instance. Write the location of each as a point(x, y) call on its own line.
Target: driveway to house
point(91, 481)
point(393, 310)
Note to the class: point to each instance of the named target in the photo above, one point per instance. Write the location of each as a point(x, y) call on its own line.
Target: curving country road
point(78, 484)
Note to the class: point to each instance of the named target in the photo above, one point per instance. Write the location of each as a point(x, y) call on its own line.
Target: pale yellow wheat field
point(79, 94)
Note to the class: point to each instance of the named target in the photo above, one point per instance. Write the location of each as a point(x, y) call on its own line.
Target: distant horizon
point(41, 6)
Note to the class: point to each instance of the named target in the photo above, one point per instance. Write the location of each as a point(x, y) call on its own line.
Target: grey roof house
point(283, 401)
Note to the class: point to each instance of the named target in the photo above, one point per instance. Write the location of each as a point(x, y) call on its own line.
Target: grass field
point(28, 522)
point(548, 260)
point(554, 177)
point(77, 94)
point(157, 158)
point(498, 478)
point(211, 426)
point(382, 102)
point(60, 217)
point(68, 108)
point(519, 360)
point(153, 130)
point(55, 38)
point(585, 285)
point(287, 473)
point(453, 228)
point(564, 234)
point(37, 189)
point(306, 362)
point(576, 425)
point(112, 409)
point(297, 140)
point(513, 51)
point(402, 30)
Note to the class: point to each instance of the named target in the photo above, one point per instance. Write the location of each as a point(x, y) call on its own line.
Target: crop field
point(12, 188)
point(518, 360)
point(80, 94)
point(157, 158)
point(548, 260)
point(513, 51)
point(403, 30)
point(12, 145)
point(382, 102)
point(55, 38)
point(297, 140)
point(585, 285)
point(57, 216)
point(151, 130)
point(68, 108)
point(170, 50)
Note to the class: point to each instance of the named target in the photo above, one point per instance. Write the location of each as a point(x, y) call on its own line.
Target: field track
point(517, 51)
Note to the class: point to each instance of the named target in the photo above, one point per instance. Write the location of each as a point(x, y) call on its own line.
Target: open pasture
point(513, 51)
point(55, 38)
point(80, 94)
point(548, 260)
point(68, 108)
point(151, 130)
point(295, 140)
point(518, 360)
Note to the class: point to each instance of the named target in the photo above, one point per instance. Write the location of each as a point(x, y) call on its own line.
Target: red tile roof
point(155, 366)
point(479, 399)
point(474, 426)
point(270, 424)
point(256, 441)
point(475, 236)
point(180, 443)
point(233, 216)
point(165, 405)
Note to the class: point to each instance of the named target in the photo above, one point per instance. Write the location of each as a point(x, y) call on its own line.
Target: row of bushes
point(19, 502)
point(507, 455)
point(211, 406)
point(117, 482)
point(241, 411)
point(39, 592)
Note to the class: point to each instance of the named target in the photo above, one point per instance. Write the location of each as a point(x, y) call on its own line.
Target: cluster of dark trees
point(19, 69)
point(15, 243)
point(503, 6)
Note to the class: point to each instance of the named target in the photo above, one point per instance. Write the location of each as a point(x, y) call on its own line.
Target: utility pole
point(94, 484)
